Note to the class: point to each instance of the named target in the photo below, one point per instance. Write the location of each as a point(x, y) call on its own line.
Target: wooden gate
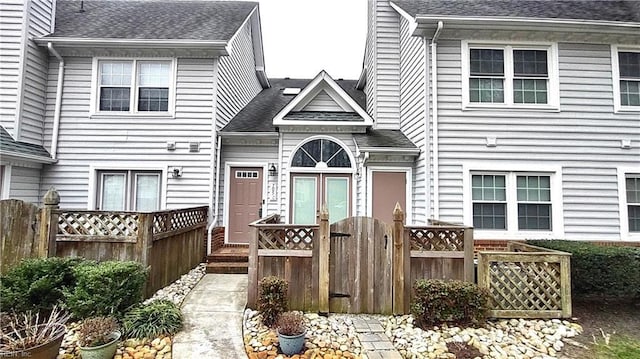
point(360, 270)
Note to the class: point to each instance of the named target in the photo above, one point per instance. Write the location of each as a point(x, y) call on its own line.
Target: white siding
point(413, 112)
point(25, 184)
point(322, 102)
point(369, 59)
point(583, 138)
point(132, 142)
point(262, 155)
point(35, 73)
point(290, 142)
point(387, 66)
point(11, 23)
point(237, 80)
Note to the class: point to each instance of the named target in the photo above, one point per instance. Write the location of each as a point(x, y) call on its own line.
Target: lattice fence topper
point(525, 285)
point(436, 239)
point(97, 224)
point(295, 238)
point(168, 221)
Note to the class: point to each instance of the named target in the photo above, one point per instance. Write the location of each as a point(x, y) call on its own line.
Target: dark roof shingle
point(257, 115)
point(599, 10)
point(383, 139)
point(10, 146)
point(157, 19)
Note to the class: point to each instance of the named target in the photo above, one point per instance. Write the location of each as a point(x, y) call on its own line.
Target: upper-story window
point(134, 86)
point(626, 79)
point(498, 75)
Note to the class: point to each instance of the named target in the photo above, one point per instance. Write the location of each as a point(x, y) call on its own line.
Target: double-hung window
point(626, 78)
point(134, 86)
point(498, 75)
point(129, 190)
point(511, 202)
point(633, 202)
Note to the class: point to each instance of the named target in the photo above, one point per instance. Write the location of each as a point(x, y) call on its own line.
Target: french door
point(310, 191)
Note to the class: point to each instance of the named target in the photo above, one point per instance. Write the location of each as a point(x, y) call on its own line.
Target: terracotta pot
point(47, 350)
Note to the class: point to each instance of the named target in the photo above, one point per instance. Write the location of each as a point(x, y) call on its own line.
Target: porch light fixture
point(273, 171)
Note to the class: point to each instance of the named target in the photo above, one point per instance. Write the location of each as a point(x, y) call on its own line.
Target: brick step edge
point(228, 267)
point(227, 258)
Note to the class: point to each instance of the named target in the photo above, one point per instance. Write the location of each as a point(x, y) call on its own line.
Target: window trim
point(511, 171)
point(134, 187)
point(133, 105)
point(615, 72)
point(94, 176)
point(553, 92)
point(625, 234)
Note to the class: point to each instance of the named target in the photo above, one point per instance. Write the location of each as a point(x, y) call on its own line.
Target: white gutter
point(434, 111)
point(214, 137)
point(58, 104)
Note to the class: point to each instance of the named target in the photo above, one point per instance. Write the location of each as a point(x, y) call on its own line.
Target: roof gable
point(297, 112)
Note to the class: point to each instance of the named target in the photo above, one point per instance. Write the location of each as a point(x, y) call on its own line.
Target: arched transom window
point(321, 153)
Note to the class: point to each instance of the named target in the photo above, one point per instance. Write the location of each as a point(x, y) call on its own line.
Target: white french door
point(310, 191)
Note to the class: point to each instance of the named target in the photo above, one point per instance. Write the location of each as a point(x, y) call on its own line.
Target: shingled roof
point(601, 10)
point(257, 115)
point(13, 148)
point(151, 19)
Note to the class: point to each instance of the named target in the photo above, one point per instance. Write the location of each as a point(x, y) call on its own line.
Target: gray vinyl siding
point(237, 80)
point(132, 142)
point(583, 139)
point(11, 24)
point(413, 112)
point(290, 142)
point(322, 102)
point(247, 154)
point(370, 59)
point(384, 66)
point(25, 184)
point(35, 74)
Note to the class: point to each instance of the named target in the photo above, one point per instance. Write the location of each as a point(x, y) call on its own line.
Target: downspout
point(58, 104)
point(216, 204)
point(434, 109)
point(214, 137)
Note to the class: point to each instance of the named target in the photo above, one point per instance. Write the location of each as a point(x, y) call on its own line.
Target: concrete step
point(228, 267)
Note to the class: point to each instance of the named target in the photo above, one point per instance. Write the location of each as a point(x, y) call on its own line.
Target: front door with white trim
point(245, 202)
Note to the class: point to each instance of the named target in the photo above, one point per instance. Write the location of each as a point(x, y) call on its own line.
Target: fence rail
point(527, 281)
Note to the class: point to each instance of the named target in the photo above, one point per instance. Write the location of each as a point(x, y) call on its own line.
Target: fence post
point(252, 276)
point(323, 262)
point(400, 300)
point(468, 255)
point(49, 224)
point(565, 285)
point(144, 243)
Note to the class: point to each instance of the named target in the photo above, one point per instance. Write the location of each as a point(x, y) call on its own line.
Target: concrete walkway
point(213, 313)
point(375, 343)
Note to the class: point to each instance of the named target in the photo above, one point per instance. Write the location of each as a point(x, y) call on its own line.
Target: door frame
point(408, 212)
point(321, 183)
point(227, 181)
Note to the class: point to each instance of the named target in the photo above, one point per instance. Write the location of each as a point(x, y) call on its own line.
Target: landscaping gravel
point(157, 348)
point(335, 336)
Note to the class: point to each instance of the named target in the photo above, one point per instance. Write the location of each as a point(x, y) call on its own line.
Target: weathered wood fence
point(527, 281)
point(168, 242)
point(357, 265)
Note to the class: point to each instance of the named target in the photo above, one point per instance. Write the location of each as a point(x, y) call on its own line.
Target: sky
point(303, 37)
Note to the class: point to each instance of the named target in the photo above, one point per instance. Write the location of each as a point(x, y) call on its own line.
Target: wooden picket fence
point(357, 265)
point(526, 281)
point(168, 242)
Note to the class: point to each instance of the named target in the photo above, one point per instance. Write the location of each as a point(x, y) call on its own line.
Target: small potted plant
point(98, 338)
point(26, 335)
point(291, 330)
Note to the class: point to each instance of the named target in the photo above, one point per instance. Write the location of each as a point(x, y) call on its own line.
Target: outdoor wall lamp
point(273, 171)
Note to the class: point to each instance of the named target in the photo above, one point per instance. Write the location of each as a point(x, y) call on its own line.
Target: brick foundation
point(217, 238)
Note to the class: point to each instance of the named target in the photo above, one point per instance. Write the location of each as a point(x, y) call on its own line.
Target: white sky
point(303, 37)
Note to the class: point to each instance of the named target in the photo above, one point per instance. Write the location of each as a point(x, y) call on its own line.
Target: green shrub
point(599, 272)
point(272, 299)
point(160, 317)
point(107, 288)
point(37, 284)
point(437, 301)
